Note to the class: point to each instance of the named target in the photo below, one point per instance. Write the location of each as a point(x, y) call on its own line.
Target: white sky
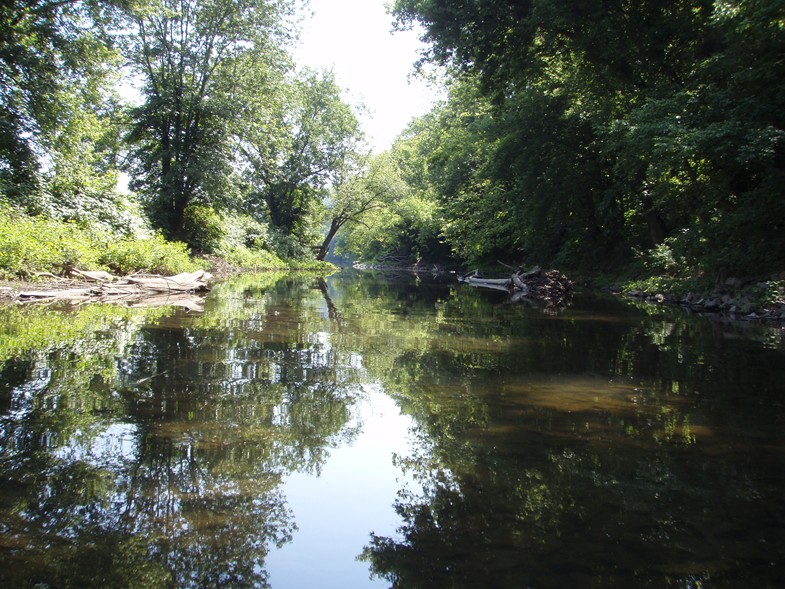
point(372, 65)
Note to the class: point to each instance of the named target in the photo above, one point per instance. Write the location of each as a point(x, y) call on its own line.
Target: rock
point(711, 305)
point(733, 282)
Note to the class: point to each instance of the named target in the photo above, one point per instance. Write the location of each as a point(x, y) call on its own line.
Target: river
point(368, 430)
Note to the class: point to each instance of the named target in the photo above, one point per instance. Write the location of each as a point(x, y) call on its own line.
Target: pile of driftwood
point(137, 290)
point(549, 289)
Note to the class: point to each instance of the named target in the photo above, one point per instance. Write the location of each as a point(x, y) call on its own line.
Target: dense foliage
point(594, 133)
point(599, 134)
point(30, 245)
point(227, 147)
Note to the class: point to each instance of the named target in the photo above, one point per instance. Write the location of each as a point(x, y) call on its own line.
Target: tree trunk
point(335, 225)
point(654, 222)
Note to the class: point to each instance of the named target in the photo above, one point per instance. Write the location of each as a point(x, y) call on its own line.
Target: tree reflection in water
point(148, 450)
point(604, 447)
point(590, 450)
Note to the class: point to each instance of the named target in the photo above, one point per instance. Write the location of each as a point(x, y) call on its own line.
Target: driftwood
point(133, 291)
point(504, 284)
point(549, 290)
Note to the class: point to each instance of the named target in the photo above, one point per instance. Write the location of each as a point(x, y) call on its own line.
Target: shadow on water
point(601, 447)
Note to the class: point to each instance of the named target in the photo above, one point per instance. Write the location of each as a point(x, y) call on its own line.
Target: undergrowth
point(30, 245)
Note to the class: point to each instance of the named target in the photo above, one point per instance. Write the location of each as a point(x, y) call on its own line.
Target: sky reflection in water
point(444, 437)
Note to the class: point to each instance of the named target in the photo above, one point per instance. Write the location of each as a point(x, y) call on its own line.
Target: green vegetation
point(230, 151)
point(33, 329)
point(609, 137)
point(39, 244)
point(618, 138)
point(35, 244)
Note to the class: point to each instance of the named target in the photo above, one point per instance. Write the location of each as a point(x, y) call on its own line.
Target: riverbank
point(46, 283)
point(746, 299)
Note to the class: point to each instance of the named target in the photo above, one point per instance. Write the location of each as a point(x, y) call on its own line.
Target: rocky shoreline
point(734, 299)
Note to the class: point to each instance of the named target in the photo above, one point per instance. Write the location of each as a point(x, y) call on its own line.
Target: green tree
point(187, 53)
point(55, 63)
point(378, 187)
point(305, 143)
point(614, 127)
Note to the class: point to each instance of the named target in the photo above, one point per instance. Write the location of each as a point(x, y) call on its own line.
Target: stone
point(711, 304)
point(733, 282)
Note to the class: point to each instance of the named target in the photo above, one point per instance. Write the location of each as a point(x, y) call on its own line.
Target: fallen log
point(549, 290)
point(70, 293)
point(186, 282)
point(93, 276)
point(504, 284)
point(522, 287)
point(180, 290)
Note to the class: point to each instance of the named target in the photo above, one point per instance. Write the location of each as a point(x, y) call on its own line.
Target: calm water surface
point(369, 431)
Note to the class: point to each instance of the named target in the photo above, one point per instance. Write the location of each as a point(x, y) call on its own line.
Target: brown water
point(363, 431)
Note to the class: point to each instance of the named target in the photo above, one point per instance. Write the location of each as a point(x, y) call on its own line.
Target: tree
point(55, 63)
point(187, 52)
point(616, 127)
point(304, 144)
point(378, 187)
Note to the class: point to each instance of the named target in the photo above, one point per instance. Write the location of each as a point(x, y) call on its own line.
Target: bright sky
point(372, 65)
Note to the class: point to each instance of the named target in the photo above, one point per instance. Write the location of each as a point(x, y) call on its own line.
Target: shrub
point(287, 246)
point(36, 244)
point(204, 228)
point(153, 254)
point(254, 259)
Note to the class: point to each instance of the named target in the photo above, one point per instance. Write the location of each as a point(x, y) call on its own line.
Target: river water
point(388, 431)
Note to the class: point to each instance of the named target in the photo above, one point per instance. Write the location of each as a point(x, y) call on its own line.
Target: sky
point(372, 65)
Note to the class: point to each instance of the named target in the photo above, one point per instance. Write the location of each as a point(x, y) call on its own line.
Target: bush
point(153, 254)
point(254, 259)
point(37, 244)
point(287, 246)
point(243, 230)
point(204, 228)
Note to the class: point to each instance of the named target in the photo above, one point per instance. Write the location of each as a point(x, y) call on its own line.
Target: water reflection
point(157, 460)
point(588, 451)
point(601, 447)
